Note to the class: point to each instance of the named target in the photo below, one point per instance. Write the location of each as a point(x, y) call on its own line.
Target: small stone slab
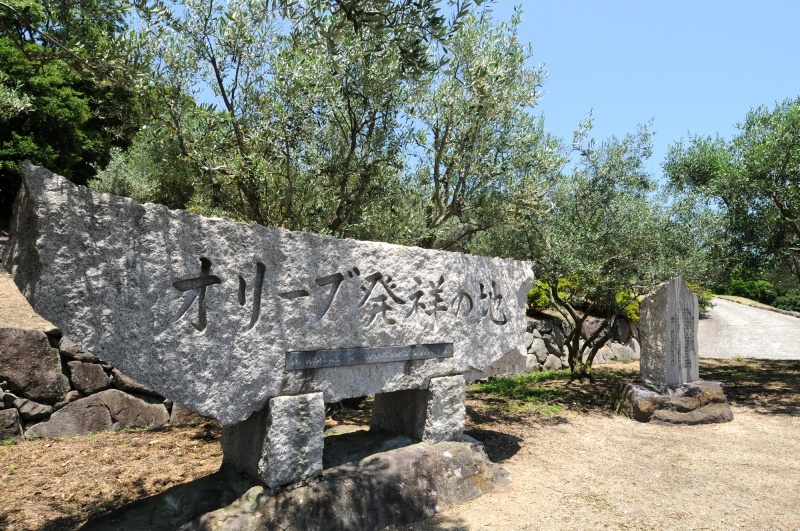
point(208, 308)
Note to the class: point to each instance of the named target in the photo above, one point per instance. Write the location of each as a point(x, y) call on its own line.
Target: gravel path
point(733, 329)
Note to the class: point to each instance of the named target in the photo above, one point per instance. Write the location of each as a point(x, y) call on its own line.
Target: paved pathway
point(733, 329)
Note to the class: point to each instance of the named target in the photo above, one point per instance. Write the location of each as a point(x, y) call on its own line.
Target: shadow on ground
point(769, 387)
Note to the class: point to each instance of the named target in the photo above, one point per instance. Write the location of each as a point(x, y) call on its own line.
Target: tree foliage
point(58, 105)
point(340, 136)
point(754, 178)
point(607, 238)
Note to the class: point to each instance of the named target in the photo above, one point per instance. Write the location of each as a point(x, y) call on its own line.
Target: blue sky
point(693, 67)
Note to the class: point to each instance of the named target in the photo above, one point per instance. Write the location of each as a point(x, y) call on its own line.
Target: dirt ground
point(574, 464)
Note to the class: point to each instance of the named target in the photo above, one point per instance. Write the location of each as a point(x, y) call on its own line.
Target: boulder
point(74, 351)
point(124, 383)
point(558, 335)
point(9, 424)
point(709, 414)
point(553, 363)
point(543, 326)
point(87, 415)
point(109, 409)
point(606, 353)
point(30, 366)
point(621, 352)
point(32, 411)
point(532, 364)
point(88, 378)
point(529, 339)
point(552, 346)
point(539, 349)
point(70, 397)
point(590, 326)
point(181, 414)
point(622, 331)
point(633, 344)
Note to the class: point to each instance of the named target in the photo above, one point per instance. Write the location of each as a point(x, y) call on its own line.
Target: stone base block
point(432, 415)
point(396, 487)
point(697, 402)
point(280, 445)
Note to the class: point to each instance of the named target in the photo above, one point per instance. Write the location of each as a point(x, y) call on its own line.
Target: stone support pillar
point(281, 444)
point(433, 415)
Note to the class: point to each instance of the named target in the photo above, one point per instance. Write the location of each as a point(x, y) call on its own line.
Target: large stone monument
point(670, 390)
point(258, 327)
point(668, 335)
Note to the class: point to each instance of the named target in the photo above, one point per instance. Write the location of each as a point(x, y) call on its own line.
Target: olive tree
point(604, 235)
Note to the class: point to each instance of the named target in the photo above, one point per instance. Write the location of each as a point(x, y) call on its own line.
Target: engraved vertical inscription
point(688, 337)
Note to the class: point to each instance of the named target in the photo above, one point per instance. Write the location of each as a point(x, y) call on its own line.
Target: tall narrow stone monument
point(668, 335)
point(670, 390)
point(258, 326)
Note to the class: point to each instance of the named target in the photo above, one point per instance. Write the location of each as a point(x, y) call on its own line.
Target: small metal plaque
point(342, 357)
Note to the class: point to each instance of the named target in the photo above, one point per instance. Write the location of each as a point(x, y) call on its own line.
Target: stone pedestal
point(432, 415)
point(697, 402)
point(281, 444)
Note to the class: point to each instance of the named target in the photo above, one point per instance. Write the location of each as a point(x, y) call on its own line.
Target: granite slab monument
point(224, 317)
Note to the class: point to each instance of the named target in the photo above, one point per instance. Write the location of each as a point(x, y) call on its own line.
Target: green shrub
point(703, 295)
point(758, 290)
point(790, 301)
point(631, 310)
point(538, 298)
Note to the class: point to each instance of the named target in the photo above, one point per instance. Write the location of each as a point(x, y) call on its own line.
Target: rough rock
point(529, 339)
point(709, 414)
point(622, 331)
point(558, 335)
point(396, 487)
point(621, 352)
point(539, 349)
point(532, 364)
point(552, 346)
point(9, 424)
point(543, 326)
point(606, 353)
point(109, 409)
point(690, 403)
point(633, 344)
point(668, 335)
point(30, 366)
point(181, 414)
point(553, 363)
point(88, 378)
point(32, 411)
point(123, 383)
point(590, 326)
point(74, 351)
point(70, 397)
point(280, 445)
point(432, 415)
point(210, 307)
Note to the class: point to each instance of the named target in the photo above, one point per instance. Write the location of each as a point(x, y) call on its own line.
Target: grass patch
point(524, 388)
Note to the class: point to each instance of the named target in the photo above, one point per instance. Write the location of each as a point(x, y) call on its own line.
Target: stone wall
point(52, 387)
point(546, 350)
